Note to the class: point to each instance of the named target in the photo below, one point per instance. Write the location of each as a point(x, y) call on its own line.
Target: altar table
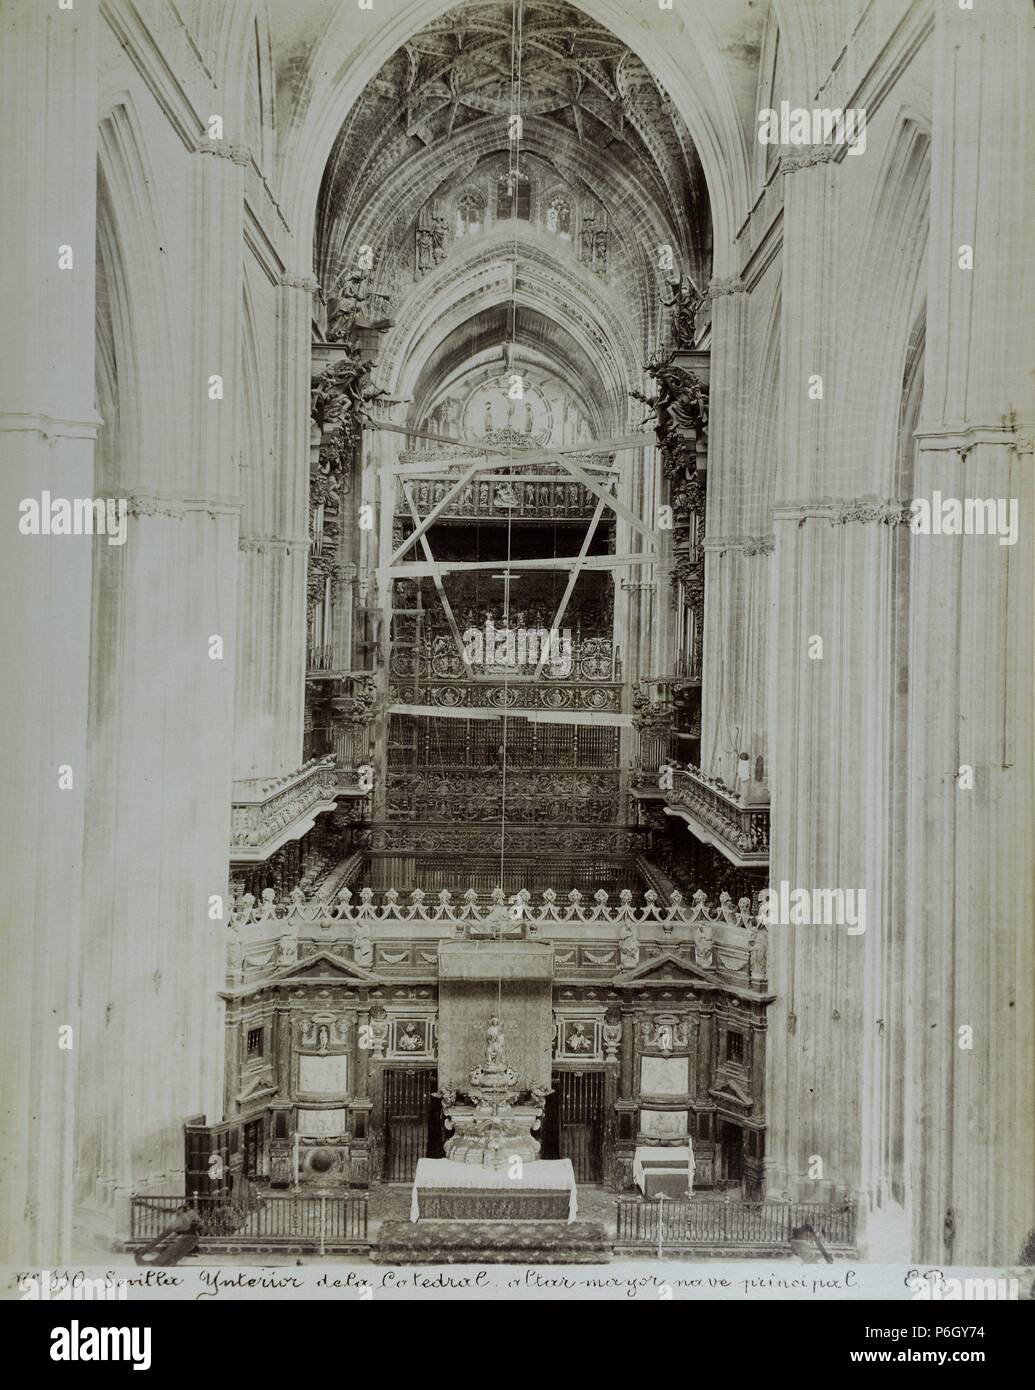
point(653, 1160)
point(544, 1175)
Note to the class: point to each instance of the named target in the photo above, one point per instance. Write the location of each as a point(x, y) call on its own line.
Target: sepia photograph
point(518, 603)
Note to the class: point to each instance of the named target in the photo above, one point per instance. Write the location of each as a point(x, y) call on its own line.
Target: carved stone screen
point(664, 1076)
point(321, 1124)
point(465, 1007)
point(663, 1124)
point(322, 1076)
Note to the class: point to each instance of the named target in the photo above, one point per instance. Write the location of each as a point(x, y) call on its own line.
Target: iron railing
point(675, 1222)
point(314, 1221)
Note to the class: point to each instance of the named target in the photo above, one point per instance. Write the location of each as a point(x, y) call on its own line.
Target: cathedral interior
point(518, 595)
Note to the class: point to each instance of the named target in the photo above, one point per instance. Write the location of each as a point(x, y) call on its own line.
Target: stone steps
point(492, 1242)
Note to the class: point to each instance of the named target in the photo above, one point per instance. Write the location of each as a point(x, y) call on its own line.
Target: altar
point(543, 1190)
point(667, 1171)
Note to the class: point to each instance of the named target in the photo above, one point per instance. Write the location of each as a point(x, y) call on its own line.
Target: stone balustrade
point(266, 813)
point(718, 817)
point(591, 935)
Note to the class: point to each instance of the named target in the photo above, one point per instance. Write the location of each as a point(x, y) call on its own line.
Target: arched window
point(470, 214)
point(558, 218)
point(507, 205)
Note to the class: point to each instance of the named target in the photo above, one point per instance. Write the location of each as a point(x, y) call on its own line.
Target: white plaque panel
point(321, 1124)
point(323, 1076)
point(663, 1124)
point(664, 1076)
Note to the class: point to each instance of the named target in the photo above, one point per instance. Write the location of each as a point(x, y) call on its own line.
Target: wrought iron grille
point(407, 1104)
point(580, 1118)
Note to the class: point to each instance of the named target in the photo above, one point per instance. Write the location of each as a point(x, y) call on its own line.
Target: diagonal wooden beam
point(593, 484)
point(436, 511)
point(576, 570)
point(440, 589)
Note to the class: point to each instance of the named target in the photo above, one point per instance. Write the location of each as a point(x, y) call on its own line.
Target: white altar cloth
point(545, 1175)
point(648, 1154)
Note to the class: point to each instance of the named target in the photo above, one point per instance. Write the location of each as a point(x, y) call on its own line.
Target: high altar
point(626, 1040)
point(495, 1033)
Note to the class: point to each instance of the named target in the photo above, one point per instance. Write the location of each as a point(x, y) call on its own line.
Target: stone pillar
point(48, 164)
point(274, 547)
point(817, 773)
point(736, 579)
point(628, 1082)
point(970, 886)
point(161, 728)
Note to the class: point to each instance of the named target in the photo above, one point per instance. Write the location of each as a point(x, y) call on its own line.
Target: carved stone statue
point(439, 229)
point(244, 910)
point(362, 945)
point(758, 952)
point(684, 303)
point(679, 410)
point(704, 944)
point(287, 950)
point(628, 945)
point(495, 1046)
point(234, 951)
point(343, 309)
point(538, 1096)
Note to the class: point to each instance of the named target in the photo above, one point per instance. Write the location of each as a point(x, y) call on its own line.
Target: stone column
point(48, 170)
point(626, 1075)
point(970, 885)
point(274, 548)
point(825, 573)
point(733, 710)
point(161, 732)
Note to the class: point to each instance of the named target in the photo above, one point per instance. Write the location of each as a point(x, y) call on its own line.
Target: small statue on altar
point(495, 1045)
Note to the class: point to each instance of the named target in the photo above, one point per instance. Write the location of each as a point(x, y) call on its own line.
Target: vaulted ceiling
point(613, 174)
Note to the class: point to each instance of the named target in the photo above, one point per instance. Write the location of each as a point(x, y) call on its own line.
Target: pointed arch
point(883, 303)
point(139, 290)
point(256, 461)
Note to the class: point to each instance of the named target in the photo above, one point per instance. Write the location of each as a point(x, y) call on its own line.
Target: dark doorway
point(579, 1099)
point(407, 1114)
point(731, 1148)
point(254, 1155)
point(550, 1131)
point(435, 1147)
